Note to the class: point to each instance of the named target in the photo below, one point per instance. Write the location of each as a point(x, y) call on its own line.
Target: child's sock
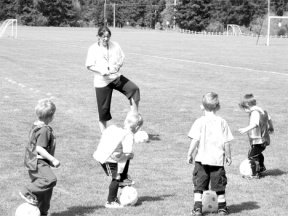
point(222, 205)
point(198, 199)
point(221, 200)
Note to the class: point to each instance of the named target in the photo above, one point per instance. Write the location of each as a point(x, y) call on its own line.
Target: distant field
point(173, 71)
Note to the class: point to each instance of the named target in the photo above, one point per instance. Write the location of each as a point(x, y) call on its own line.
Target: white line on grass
point(50, 95)
point(211, 64)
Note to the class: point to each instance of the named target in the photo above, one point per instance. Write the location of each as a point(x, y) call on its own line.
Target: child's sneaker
point(29, 198)
point(126, 182)
point(196, 212)
point(223, 211)
point(262, 169)
point(114, 204)
point(251, 177)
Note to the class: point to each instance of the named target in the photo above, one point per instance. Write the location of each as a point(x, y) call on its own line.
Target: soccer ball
point(209, 201)
point(27, 209)
point(245, 167)
point(141, 137)
point(128, 196)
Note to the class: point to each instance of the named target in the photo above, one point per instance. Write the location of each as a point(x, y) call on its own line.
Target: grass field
point(173, 71)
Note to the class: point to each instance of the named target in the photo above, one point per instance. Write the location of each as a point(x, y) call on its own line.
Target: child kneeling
point(114, 153)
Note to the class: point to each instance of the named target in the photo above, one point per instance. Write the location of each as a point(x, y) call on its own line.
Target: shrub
point(215, 27)
point(33, 19)
point(281, 32)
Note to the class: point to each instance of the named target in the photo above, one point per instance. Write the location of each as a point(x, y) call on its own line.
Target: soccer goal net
point(277, 26)
point(7, 25)
point(233, 30)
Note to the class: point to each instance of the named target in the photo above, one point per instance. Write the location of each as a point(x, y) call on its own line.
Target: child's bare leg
point(124, 174)
point(118, 176)
point(121, 164)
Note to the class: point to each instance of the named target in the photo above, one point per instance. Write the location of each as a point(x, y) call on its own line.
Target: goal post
point(5, 24)
point(235, 30)
point(269, 26)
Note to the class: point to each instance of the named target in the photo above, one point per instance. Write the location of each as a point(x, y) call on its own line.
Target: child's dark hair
point(102, 30)
point(211, 102)
point(247, 101)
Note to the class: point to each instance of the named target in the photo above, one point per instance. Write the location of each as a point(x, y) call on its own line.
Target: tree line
point(195, 15)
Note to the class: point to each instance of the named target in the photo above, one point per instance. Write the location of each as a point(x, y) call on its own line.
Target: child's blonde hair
point(247, 101)
point(45, 109)
point(211, 102)
point(135, 120)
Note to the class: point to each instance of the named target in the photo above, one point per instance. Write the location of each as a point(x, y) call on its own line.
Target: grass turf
point(173, 71)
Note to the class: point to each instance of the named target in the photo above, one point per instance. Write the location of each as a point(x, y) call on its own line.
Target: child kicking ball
point(114, 153)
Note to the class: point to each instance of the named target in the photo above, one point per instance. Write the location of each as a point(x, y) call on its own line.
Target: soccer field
point(173, 71)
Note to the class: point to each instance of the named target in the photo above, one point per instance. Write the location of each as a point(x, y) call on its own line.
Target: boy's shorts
point(104, 95)
point(110, 169)
point(205, 174)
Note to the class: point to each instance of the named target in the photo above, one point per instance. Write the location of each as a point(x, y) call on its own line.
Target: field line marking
point(211, 64)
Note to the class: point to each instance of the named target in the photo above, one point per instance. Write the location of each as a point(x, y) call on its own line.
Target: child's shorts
point(205, 174)
point(110, 169)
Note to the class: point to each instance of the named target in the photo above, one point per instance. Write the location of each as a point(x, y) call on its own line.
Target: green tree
point(278, 6)
point(8, 9)
point(58, 12)
point(193, 14)
point(28, 15)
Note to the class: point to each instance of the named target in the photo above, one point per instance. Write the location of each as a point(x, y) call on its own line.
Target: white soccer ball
point(128, 196)
point(27, 209)
point(245, 167)
point(141, 137)
point(209, 201)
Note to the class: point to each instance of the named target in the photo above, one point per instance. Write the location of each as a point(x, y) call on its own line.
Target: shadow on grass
point(274, 172)
point(78, 210)
point(152, 199)
point(154, 137)
point(243, 206)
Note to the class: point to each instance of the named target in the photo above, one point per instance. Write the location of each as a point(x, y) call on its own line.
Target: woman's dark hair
point(102, 30)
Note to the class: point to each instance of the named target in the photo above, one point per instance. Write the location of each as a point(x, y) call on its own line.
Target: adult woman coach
point(105, 59)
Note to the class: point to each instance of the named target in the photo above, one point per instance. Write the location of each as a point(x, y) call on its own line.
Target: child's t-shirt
point(46, 139)
point(212, 132)
point(260, 118)
point(40, 135)
point(113, 143)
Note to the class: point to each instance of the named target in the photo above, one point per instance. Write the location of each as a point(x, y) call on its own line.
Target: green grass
point(173, 71)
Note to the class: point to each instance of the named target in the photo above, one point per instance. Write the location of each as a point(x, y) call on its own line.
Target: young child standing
point(39, 157)
point(259, 128)
point(114, 153)
point(210, 136)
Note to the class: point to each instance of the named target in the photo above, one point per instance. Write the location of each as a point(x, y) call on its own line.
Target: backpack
point(30, 159)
